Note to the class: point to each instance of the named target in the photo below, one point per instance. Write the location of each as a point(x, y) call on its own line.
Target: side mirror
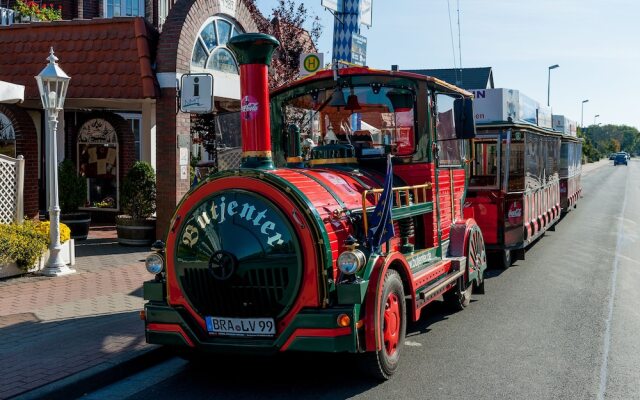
point(465, 122)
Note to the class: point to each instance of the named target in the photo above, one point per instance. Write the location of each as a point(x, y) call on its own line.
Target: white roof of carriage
point(11, 93)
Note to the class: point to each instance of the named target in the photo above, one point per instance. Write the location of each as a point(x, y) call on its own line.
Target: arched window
point(210, 51)
point(98, 162)
point(7, 137)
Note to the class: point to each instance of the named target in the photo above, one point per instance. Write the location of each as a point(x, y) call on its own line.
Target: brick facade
point(26, 145)
point(174, 56)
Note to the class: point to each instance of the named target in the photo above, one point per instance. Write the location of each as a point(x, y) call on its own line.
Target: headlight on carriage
point(351, 261)
point(154, 263)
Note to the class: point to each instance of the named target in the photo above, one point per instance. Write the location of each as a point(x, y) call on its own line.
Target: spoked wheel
point(459, 297)
point(477, 259)
point(393, 321)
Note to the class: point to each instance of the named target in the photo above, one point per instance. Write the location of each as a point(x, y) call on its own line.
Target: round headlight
point(154, 263)
point(350, 262)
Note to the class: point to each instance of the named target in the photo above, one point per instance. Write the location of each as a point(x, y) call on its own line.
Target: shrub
point(23, 244)
point(72, 188)
point(138, 195)
point(44, 226)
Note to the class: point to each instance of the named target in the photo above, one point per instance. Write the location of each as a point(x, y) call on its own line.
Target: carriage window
point(373, 122)
point(485, 164)
point(449, 146)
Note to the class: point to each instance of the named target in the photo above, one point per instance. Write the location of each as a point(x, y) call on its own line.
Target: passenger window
point(449, 147)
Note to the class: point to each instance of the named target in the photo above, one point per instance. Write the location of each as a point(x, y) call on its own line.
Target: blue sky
point(595, 42)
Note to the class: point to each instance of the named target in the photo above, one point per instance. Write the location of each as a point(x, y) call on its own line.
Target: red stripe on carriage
point(172, 328)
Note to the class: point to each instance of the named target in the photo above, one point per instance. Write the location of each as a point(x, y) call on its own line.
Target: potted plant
point(30, 11)
point(137, 227)
point(72, 194)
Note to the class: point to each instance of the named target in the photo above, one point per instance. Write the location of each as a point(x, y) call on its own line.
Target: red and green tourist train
point(346, 218)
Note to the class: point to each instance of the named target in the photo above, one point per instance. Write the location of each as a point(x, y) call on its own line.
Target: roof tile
point(116, 48)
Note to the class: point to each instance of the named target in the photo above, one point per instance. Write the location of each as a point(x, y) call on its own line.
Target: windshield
point(374, 120)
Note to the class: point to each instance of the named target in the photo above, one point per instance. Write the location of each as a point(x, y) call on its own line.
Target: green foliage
point(138, 194)
point(23, 244)
point(72, 188)
point(606, 139)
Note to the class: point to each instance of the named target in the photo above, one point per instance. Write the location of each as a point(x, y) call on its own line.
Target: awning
point(11, 93)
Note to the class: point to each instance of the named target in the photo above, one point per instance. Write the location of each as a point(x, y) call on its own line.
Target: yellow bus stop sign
point(310, 63)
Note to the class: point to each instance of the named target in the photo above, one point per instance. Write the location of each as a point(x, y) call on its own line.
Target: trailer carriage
point(345, 219)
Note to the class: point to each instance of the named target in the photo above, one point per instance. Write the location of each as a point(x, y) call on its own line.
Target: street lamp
point(549, 82)
point(582, 113)
point(595, 117)
point(52, 85)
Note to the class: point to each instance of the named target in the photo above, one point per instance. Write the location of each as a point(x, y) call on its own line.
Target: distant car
point(612, 156)
point(620, 158)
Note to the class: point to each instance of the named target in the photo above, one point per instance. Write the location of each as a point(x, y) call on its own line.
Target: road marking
point(604, 369)
point(413, 344)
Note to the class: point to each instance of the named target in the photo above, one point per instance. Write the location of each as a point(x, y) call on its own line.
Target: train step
point(437, 288)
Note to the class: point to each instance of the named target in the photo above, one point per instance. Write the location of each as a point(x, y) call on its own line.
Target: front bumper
point(310, 330)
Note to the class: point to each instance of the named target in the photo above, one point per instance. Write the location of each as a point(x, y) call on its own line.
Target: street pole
point(595, 117)
point(52, 85)
point(549, 82)
point(582, 113)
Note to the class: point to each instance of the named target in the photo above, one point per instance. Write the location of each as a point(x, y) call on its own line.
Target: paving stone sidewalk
point(51, 328)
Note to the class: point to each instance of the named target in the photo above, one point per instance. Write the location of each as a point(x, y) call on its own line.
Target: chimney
point(254, 51)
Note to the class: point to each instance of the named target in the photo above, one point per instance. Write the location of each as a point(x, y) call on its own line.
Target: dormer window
point(124, 8)
point(210, 50)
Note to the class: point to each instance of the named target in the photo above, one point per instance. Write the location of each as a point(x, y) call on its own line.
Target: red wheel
point(383, 363)
point(391, 324)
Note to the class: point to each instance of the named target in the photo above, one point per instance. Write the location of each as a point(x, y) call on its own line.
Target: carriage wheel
point(477, 259)
point(393, 321)
point(506, 260)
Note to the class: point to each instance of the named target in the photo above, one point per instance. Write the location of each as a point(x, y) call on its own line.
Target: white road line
point(604, 369)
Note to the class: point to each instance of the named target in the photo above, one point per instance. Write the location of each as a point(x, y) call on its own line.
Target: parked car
point(621, 158)
point(612, 156)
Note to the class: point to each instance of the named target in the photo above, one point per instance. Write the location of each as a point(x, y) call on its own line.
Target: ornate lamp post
point(52, 85)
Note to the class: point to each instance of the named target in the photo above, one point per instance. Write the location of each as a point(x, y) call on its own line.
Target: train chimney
point(254, 51)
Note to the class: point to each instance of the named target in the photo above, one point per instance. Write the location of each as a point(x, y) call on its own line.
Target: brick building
point(124, 58)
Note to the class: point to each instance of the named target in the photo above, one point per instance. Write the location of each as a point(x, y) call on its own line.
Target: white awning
point(11, 93)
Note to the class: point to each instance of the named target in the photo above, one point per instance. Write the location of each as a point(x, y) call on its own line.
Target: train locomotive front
point(299, 248)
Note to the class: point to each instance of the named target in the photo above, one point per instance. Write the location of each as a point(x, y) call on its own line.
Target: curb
point(76, 385)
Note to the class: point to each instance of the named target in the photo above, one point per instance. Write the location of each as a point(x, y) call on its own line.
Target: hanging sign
point(310, 63)
point(196, 93)
point(365, 12)
point(358, 49)
point(333, 5)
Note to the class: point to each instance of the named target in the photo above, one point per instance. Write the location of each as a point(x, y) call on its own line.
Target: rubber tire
point(458, 299)
point(379, 364)
point(505, 259)
point(478, 286)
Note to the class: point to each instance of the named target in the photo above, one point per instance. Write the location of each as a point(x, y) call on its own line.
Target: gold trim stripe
point(246, 154)
point(324, 161)
point(297, 159)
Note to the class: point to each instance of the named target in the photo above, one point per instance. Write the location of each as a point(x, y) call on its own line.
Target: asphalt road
point(562, 324)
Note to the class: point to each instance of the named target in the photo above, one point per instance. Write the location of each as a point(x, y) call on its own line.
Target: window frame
point(105, 5)
point(236, 29)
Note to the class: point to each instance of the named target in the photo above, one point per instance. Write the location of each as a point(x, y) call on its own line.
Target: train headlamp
point(351, 261)
point(154, 263)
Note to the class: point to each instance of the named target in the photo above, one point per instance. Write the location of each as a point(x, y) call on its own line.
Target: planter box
point(68, 253)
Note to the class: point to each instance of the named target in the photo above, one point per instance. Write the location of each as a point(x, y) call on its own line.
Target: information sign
point(358, 49)
point(196, 93)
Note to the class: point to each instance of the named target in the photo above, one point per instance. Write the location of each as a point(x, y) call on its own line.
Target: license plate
point(241, 326)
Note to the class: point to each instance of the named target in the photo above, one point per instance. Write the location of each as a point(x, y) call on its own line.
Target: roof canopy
point(11, 93)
